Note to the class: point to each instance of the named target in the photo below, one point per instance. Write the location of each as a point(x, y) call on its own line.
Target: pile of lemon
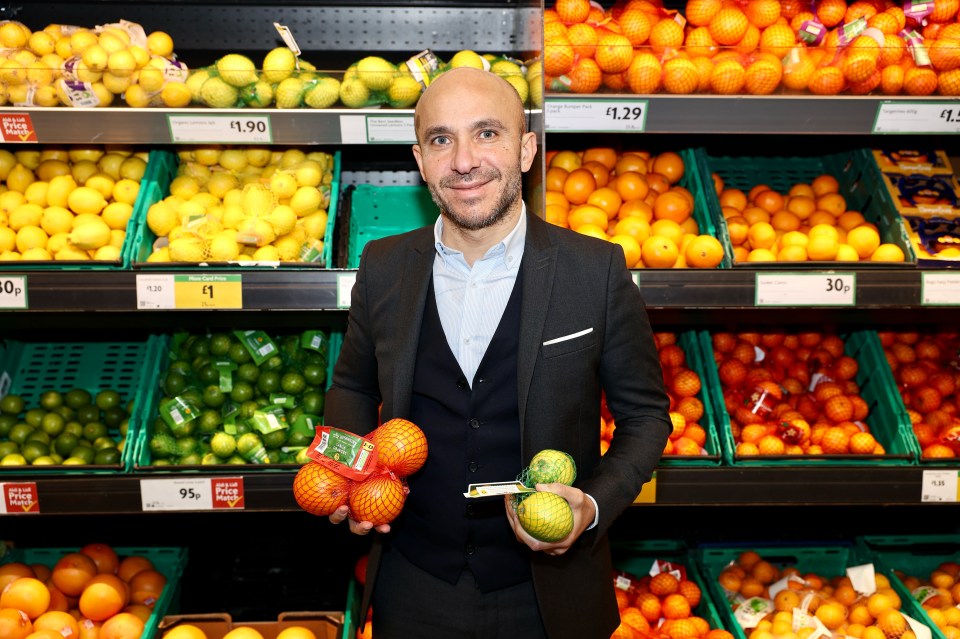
point(67, 204)
point(244, 204)
point(89, 67)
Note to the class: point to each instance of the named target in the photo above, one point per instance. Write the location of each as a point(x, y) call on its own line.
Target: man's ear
point(528, 150)
point(419, 158)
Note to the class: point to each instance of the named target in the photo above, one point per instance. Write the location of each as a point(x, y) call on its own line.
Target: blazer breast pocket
point(569, 343)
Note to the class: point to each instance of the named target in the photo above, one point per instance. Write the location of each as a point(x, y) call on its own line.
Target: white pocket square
point(557, 340)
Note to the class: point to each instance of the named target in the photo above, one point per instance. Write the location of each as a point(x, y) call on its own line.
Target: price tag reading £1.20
point(595, 115)
point(806, 289)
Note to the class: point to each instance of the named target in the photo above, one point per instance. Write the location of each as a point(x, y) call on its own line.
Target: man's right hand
point(356, 527)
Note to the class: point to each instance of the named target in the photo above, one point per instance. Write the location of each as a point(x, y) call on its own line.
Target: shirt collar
point(510, 247)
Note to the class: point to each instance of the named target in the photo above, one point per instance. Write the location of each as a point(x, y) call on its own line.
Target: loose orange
point(670, 165)
point(578, 186)
point(185, 631)
point(123, 625)
point(593, 231)
point(566, 160)
point(635, 227)
point(659, 252)
point(864, 240)
point(103, 597)
point(671, 206)
point(14, 624)
point(636, 208)
point(888, 253)
point(761, 235)
point(60, 622)
point(601, 174)
point(704, 251)
point(27, 594)
point(668, 229)
point(103, 556)
point(555, 179)
point(587, 214)
point(131, 565)
point(754, 214)
point(631, 248)
point(607, 199)
point(604, 155)
point(802, 206)
point(146, 587)
point(631, 162)
point(735, 198)
point(14, 570)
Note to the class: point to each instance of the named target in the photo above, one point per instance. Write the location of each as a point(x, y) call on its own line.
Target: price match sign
point(19, 499)
point(220, 129)
point(17, 127)
point(917, 117)
point(806, 289)
point(575, 115)
point(193, 493)
point(189, 291)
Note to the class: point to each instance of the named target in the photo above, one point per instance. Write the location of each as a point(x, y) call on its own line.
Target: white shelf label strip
point(595, 115)
point(806, 289)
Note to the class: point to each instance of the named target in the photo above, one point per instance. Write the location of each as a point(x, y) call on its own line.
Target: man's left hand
point(583, 514)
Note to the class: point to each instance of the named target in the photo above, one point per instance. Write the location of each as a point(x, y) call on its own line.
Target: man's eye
point(487, 135)
point(441, 139)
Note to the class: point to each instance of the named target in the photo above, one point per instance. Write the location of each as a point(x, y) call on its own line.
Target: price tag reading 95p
point(192, 493)
point(573, 115)
point(220, 129)
point(806, 289)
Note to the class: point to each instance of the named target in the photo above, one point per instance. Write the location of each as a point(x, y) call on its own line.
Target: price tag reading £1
point(806, 289)
point(194, 493)
point(595, 115)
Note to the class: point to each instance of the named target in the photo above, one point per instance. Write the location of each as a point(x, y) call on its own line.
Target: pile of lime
point(72, 428)
point(243, 397)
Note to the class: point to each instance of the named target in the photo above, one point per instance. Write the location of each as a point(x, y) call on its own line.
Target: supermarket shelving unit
point(106, 301)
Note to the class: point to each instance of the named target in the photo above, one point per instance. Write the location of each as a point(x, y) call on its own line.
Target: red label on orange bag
point(343, 452)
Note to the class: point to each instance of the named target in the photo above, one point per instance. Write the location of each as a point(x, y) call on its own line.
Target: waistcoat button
point(474, 423)
point(473, 467)
point(462, 383)
point(470, 549)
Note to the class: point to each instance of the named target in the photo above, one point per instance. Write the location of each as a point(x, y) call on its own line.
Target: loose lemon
point(126, 191)
point(30, 237)
point(102, 183)
point(85, 199)
point(56, 219)
point(117, 215)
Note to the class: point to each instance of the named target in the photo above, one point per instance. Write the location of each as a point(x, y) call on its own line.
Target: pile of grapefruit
point(925, 369)
point(753, 47)
point(630, 198)
point(401, 449)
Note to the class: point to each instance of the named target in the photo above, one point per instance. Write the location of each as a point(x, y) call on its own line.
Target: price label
point(13, 292)
point(636, 278)
point(155, 291)
point(648, 494)
point(396, 129)
point(193, 493)
point(806, 289)
point(917, 117)
point(940, 486)
point(345, 282)
point(586, 114)
point(940, 289)
point(19, 498)
point(220, 129)
point(208, 291)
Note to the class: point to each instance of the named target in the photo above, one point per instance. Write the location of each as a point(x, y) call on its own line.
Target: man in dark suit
point(495, 333)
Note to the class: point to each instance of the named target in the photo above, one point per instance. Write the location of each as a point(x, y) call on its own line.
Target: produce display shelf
point(317, 289)
point(687, 486)
point(783, 114)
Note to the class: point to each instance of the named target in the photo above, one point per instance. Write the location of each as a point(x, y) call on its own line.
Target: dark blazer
point(571, 283)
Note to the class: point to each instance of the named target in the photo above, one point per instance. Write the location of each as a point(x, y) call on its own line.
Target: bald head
point(462, 84)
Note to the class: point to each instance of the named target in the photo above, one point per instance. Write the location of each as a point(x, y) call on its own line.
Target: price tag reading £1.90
point(595, 115)
point(806, 289)
point(192, 493)
point(220, 129)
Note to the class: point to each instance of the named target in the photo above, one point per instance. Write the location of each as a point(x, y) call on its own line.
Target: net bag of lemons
point(546, 516)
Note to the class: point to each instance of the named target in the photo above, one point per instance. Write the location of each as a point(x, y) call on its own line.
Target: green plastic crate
point(170, 562)
point(161, 172)
point(828, 560)
point(141, 457)
point(888, 419)
point(860, 183)
point(29, 369)
point(127, 250)
point(689, 342)
point(351, 615)
point(379, 211)
point(637, 557)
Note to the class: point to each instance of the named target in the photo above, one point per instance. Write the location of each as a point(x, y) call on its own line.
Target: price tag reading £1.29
point(192, 493)
point(595, 115)
point(806, 289)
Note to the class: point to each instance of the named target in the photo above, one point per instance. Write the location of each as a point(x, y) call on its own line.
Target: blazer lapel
point(539, 266)
point(415, 275)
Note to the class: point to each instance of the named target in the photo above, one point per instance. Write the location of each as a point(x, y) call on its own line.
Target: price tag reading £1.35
point(917, 117)
point(940, 486)
point(595, 115)
point(806, 289)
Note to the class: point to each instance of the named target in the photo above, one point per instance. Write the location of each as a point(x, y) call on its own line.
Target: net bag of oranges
point(366, 473)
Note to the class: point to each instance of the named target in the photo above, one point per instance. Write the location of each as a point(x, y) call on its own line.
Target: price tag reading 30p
point(595, 115)
point(220, 129)
point(193, 493)
point(806, 289)
point(13, 292)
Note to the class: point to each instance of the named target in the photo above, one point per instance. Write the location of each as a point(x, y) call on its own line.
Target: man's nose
point(465, 158)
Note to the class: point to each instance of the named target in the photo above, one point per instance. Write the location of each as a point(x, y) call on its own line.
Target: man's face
point(471, 152)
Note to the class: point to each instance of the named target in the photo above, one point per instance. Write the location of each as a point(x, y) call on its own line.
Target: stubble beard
point(467, 217)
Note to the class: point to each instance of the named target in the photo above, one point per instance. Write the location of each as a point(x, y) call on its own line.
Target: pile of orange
point(792, 394)
point(633, 199)
point(683, 384)
point(751, 47)
point(943, 602)
point(661, 606)
point(89, 594)
point(190, 631)
point(809, 223)
point(925, 369)
point(831, 600)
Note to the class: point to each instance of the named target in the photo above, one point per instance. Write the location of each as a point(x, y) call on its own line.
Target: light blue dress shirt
point(471, 300)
